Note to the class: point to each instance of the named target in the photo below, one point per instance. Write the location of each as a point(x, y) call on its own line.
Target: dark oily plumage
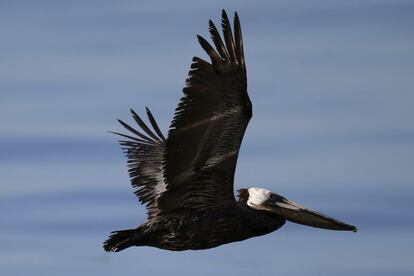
point(186, 180)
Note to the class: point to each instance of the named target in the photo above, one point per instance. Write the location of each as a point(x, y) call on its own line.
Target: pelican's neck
point(261, 222)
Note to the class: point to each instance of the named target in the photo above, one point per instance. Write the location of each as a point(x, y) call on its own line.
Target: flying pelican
point(186, 180)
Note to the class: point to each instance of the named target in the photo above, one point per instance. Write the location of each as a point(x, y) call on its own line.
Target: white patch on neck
point(256, 198)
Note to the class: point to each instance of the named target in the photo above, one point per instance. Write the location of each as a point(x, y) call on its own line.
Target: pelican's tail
point(122, 239)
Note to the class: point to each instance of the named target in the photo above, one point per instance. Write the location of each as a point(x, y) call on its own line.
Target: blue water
point(332, 87)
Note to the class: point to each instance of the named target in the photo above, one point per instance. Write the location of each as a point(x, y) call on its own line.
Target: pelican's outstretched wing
point(145, 153)
point(208, 127)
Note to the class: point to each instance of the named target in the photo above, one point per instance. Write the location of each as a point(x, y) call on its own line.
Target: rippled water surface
point(332, 88)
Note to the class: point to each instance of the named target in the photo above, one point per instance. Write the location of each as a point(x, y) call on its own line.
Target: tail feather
point(120, 240)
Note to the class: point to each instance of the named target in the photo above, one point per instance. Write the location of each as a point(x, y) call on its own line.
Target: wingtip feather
point(215, 58)
point(228, 36)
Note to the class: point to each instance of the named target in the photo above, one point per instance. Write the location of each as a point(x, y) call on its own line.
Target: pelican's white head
point(257, 197)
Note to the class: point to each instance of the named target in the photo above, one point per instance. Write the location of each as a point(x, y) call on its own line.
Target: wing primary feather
point(144, 151)
point(154, 124)
point(131, 137)
point(143, 126)
point(136, 132)
point(218, 42)
point(215, 58)
point(228, 37)
point(239, 40)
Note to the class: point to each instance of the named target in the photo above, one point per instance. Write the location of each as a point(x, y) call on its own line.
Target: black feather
point(228, 37)
point(215, 58)
point(239, 40)
point(143, 126)
point(154, 124)
point(136, 132)
point(218, 42)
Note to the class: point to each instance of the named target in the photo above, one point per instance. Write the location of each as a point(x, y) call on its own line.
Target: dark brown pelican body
point(200, 230)
point(186, 180)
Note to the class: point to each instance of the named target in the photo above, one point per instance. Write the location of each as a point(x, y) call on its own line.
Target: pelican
point(186, 180)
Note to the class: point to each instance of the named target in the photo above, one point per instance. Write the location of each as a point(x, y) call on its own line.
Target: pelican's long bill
point(299, 214)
